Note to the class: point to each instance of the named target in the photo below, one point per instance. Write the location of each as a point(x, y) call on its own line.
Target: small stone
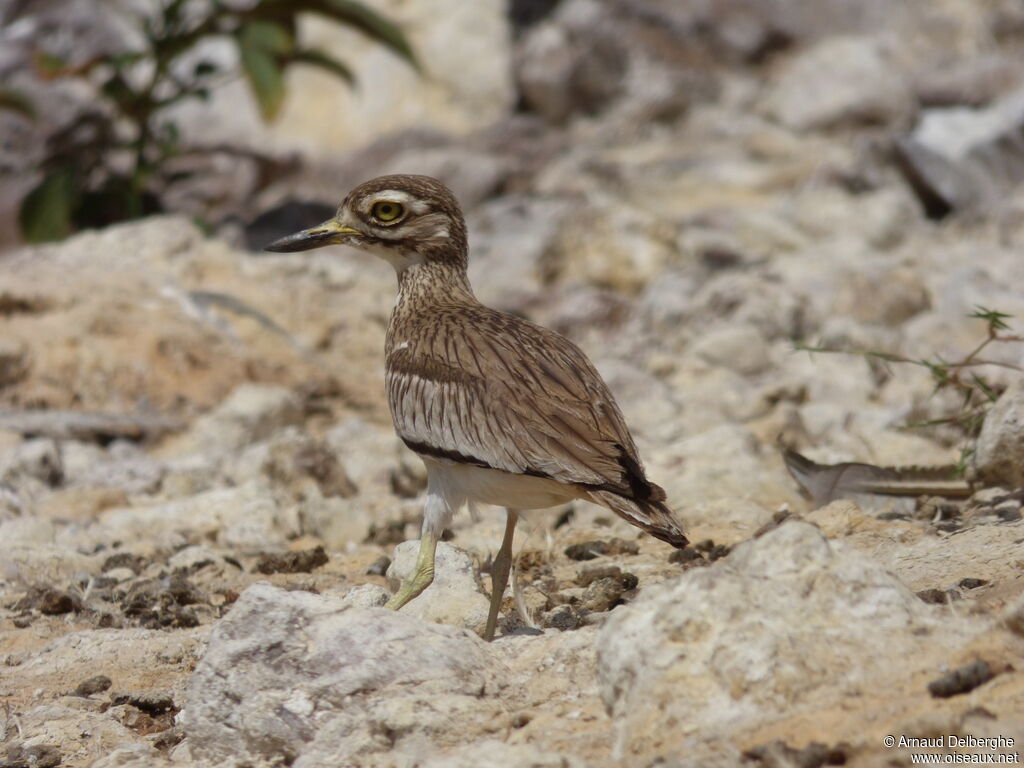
point(970, 583)
point(588, 550)
point(150, 703)
point(587, 576)
point(292, 562)
point(48, 601)
point(379, 567)
point(136, 563)
point(562, 618)
point(36, 756)
point(938, 596)
point(97, 684)
point(366, 596)
point(687, 556)
point(117, 575)
point(606, 593)
point(778, 754)
point(961, 680)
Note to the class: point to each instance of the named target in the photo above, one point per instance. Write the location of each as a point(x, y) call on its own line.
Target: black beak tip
point(292, 243)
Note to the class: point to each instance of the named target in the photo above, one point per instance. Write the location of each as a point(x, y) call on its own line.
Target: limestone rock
point(741, 348)
point(500, 754)
point(249, 414)
point(243, 517)
point(999, 456)
point(840, 80)
point(785, 620)
point(454, 597)
point(467, 83)
point(299, 677)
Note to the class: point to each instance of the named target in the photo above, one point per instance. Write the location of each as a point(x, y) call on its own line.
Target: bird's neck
point(434, 281)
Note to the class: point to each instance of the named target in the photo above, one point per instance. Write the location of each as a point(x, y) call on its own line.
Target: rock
point(740, 348)
point(304, 561)
point(366, 596)
point(39, 459)
point(133, 756)
point(999, 454)
point(467, 84)
point(43, 564)
point(493, 753)
point(615, 247)
point(564, 71)
point(14, 362)
point(299, 677)
point(718, 468)
point(243, 518)
point(511, 236)
point(72, 736)
point(95, 684)
point(840, 81)
point(250, 413)
point(784, 622)
point(962, 159)
point(884, 296)
point(454, 597)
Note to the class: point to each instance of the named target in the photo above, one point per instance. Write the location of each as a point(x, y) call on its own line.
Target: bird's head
point(404, 219)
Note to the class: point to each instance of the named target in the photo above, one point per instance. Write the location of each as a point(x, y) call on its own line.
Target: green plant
point(977, 393)
point(112, 163)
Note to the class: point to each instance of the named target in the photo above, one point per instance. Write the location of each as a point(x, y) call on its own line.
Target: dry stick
point(75, 425)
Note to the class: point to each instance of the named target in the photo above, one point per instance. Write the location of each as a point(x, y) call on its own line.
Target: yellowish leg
point(499, 573)
point(421, 577)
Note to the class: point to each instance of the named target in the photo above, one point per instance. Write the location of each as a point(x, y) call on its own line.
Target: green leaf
point(320, 59)
point(49, 65)
point(367, 21)
point(13, 100)
point(264, 75)
point(46, 211)
point(268, 36)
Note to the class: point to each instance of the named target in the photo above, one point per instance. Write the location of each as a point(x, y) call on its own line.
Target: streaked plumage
point(501, 410)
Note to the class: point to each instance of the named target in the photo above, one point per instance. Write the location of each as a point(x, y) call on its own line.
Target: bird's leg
point(422, 575)
point(499, 573)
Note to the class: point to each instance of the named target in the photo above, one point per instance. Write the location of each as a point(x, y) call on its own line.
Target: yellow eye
point(387, 211)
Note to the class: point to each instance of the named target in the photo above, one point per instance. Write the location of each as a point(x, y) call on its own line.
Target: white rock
point(366, 596)
point(38, 459)
point(467, 83)
point(999, 455)
point(42, 564)
point(299, 677)
point(840, 80)
point(740, 348)
point(784, 622)
point(500, 754)
point(132, 756)
point(454, 597)
point(244, 518)
point(252, 412)
point(723, 463)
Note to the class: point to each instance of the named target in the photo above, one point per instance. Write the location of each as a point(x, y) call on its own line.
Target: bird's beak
point(331, 232)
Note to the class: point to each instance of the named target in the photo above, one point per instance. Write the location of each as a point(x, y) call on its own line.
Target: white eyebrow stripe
point(414, 204)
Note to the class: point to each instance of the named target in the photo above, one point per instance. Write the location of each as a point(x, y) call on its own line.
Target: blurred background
point(764, 221)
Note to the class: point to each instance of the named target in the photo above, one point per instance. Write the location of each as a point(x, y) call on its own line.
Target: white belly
point(492, 486)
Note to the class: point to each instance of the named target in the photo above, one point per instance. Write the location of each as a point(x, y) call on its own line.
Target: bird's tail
point(652, 515)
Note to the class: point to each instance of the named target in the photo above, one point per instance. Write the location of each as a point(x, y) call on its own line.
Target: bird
point(502, 411)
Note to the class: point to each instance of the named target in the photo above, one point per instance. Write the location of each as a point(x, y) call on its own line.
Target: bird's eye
point(387, 211)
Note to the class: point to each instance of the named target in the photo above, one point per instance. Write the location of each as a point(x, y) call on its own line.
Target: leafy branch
point(977, 392)
point(84, 184)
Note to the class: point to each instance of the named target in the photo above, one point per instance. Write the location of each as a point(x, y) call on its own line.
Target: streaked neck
point(434, 280)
